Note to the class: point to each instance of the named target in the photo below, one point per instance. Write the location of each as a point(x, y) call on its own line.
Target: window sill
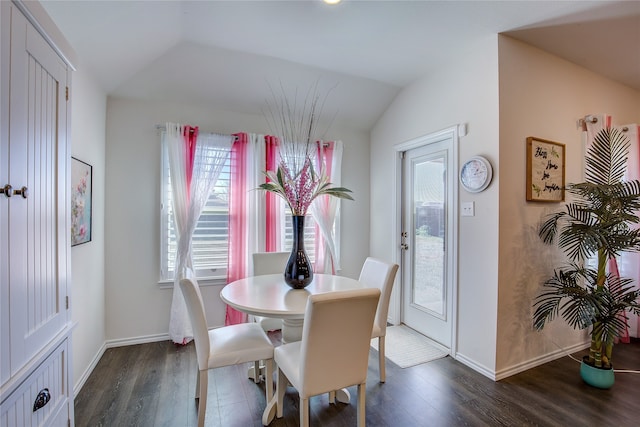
point(202, 281)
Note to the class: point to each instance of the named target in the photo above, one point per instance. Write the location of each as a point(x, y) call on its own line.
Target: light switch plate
point(468, 209)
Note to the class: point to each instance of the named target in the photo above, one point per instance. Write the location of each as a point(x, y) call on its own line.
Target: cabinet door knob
point(41, 399)
point(6, 190)
point(24, 192)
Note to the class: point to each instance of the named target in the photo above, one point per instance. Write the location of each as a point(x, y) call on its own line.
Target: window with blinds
point(210, 242)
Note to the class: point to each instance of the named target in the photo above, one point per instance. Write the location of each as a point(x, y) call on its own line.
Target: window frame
point(166, 274)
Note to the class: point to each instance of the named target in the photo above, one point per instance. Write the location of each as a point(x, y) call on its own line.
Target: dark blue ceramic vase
point(299, 272)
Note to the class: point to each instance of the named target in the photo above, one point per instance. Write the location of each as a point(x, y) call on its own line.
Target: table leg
point(291, 330)
point(270, 411)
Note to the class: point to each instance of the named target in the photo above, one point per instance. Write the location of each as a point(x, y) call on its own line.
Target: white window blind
point(210, 242)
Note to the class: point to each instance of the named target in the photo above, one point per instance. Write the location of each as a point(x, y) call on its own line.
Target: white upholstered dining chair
point(334, 351)
point(224, 346)
point(269, 263)
point(380, 274)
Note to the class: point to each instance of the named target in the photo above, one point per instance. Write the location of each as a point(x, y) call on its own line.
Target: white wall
point(88, 115)
point(462, 92)
point(540, 95)
point(136, 308)
point(118, 299)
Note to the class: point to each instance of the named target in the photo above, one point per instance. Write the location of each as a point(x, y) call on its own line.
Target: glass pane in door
point(429, 228)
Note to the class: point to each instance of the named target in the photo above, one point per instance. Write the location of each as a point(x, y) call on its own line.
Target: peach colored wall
point(540, 95)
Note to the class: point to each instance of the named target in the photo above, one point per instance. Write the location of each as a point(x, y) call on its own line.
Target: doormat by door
point(406, 347)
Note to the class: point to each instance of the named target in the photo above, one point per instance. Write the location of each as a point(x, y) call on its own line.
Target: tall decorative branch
point(296, 125)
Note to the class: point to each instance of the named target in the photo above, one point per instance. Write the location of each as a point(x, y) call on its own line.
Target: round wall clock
point(475, 174)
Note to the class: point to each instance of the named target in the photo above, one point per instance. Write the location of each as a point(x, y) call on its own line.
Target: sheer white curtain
point(256, 199)
point(325, 210)
point(195, 162)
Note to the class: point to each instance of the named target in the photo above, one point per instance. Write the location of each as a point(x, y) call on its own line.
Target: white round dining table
point(269, 296)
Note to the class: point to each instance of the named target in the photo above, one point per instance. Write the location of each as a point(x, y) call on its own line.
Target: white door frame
point(395, 305)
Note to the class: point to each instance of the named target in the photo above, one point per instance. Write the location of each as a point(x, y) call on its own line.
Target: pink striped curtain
point(627, 264)
point(253, 216)
point(190, 138)
point(237, 261)
point(630, 262)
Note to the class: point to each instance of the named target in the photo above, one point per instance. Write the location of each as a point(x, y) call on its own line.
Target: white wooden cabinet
point(35, 319)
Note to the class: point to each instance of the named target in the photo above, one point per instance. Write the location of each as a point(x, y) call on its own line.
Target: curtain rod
point(593, 119)
point(164, 127)
point(582, 123)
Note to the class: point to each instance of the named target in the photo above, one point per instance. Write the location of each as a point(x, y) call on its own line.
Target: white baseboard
point(540, 360)
point(476, 366)
point(136, 340)
point(520, 367)
point(85, 375)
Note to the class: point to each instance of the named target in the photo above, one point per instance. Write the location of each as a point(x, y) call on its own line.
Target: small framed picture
point(81, 187)
point(545, 170)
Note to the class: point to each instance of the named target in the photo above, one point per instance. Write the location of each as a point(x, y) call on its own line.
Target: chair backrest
point(269, 262)
point(335, 339)
point(195, 307)
point(379, 274)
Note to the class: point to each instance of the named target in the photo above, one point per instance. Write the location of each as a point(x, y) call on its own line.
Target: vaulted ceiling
point(232, 54)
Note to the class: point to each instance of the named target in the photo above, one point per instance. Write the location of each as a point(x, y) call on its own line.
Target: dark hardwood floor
point(153, 385)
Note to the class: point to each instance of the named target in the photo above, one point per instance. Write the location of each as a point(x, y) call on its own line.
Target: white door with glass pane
point(428, 233)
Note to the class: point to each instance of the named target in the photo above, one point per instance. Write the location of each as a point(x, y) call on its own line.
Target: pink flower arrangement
point(301, 188)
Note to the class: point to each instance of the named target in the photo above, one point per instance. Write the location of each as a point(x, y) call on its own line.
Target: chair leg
point(203, 377)
point(256, 371)
point(332, 396)
point(362, 388)
point(197, 393)
point(304, 412)
point(381, 357)
point(281, 388)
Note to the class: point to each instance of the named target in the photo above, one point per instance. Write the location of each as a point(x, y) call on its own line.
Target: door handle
point(6, 190)
point(24, 192)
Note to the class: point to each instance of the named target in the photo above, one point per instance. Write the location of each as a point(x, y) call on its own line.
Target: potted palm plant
point(598, 222)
